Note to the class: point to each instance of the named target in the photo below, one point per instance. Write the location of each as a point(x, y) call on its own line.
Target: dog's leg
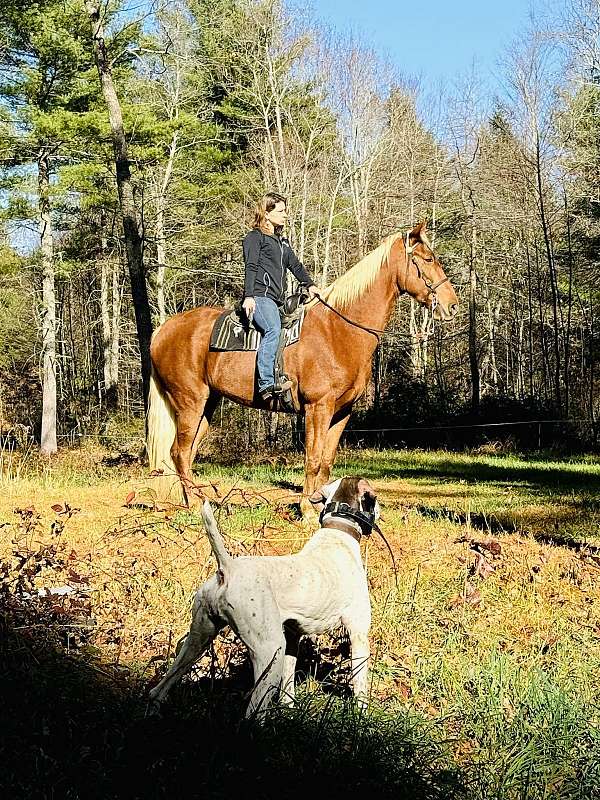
point(267, 659)
point(359, 641)
point(255, 616)
point(202, 631)
point(292, 640)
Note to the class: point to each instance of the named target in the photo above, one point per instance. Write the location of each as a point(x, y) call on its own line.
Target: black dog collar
point(366, 521)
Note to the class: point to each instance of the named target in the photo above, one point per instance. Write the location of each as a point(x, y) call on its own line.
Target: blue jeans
point(268, 322)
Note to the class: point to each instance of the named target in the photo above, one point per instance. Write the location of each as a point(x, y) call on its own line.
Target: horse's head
point(420, 274)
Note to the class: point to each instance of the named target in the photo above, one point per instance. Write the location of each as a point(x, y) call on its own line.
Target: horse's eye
point(429, 260)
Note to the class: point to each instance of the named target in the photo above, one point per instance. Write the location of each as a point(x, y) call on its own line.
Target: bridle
point(431, 291)
point(410, 259)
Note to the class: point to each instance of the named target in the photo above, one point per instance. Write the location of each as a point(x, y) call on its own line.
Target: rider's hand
point(249, 305)
point(313, 291)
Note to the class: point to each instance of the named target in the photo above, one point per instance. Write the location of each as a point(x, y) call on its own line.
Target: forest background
point(135, 139)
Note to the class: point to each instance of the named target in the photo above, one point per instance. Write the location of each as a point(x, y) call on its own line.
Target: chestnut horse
point(329, 366)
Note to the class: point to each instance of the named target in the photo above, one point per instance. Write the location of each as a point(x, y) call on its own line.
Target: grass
point(485, 645)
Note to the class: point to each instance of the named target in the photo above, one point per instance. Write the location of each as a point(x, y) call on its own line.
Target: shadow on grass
point(494, 524)
point(565, 479)
point(516, 473)
point(76, 728)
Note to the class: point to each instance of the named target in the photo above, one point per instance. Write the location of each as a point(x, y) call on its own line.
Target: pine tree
point(45, 87)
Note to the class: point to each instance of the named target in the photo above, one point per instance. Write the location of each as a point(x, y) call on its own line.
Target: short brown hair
point(265, 204)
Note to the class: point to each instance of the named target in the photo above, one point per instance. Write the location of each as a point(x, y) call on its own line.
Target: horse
point(329, 366)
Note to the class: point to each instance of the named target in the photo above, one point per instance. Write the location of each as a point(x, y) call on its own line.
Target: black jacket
point(266, 259)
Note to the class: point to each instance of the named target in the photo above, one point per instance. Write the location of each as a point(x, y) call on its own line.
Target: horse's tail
point(161, 435)
point(215, 538)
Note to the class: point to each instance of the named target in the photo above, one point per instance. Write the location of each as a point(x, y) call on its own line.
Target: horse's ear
point(419, 231)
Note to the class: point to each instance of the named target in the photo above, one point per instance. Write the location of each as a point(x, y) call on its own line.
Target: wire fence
point(565, 435)
point(573, 435)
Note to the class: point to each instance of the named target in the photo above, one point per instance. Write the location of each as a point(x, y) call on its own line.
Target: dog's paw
point(153, 707)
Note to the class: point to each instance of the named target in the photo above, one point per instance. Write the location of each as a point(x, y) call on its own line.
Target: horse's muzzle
point(444, 313)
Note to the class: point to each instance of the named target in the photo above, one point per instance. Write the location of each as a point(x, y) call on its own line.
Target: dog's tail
point(215, 538)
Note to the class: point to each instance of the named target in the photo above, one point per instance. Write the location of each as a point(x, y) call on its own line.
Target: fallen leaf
point(129, 498)
point(404, 690)
point(493, 546)
point(470, 596)
point(465, 537)
point(483, 569)
point(76, 578)
point(58, 508)
point(548, 644)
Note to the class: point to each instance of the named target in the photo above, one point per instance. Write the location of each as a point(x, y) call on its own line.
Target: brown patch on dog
point(355, 491)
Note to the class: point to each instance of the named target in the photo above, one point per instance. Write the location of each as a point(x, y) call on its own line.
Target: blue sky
point(438, 39)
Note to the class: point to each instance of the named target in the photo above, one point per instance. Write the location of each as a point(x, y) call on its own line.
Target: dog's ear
point(367, 495)
point(329, 490)
point(364, 487)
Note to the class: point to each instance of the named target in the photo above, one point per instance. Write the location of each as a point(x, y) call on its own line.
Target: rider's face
point(277, 216)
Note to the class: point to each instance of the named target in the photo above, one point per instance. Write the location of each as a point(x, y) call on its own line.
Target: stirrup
point(267, 393)
point(282, 387)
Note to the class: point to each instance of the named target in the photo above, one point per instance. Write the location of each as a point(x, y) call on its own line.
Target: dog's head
point(356, 492)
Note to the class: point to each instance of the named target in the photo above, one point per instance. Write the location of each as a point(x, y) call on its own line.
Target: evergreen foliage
point(223, 99)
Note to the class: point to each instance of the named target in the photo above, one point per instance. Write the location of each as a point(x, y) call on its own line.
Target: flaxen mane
point(359, 278)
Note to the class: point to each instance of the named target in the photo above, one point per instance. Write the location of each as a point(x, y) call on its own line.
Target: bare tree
point(48, 444)
point(129, 213)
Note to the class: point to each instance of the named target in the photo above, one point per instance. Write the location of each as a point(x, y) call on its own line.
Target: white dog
point(271, 601)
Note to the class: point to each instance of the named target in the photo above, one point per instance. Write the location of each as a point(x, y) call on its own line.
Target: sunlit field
point(485, 638)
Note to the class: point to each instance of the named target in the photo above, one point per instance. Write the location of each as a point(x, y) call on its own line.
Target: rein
point(376, 332)
point(431, 290)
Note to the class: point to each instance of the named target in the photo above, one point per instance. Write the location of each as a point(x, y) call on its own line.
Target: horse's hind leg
point(192, 425)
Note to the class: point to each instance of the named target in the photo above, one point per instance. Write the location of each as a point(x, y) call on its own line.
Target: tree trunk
point(133, 241)
point(161, 242)
point(553, 281)
point(115, 327)
point(473, 360)
point(105, 287)
point(48, 444)
point(330, 218)
point(567, 364)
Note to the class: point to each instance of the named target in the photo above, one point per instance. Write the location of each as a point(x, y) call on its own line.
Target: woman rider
point(267, 255)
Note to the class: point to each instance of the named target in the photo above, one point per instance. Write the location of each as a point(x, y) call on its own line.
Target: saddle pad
point(230, 333)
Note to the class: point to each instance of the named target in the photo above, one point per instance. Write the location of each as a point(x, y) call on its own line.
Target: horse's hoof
point(309, 515)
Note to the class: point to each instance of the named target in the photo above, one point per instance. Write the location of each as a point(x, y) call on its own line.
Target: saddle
point(233, 332)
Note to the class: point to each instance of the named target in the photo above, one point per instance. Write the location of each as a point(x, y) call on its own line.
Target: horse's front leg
point(317, 420)
point(332, 439)
point(192, 425)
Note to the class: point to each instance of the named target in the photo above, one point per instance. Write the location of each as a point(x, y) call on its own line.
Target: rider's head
point(270, 213)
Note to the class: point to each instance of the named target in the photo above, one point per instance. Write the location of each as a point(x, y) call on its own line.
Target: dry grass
point(480, 631)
